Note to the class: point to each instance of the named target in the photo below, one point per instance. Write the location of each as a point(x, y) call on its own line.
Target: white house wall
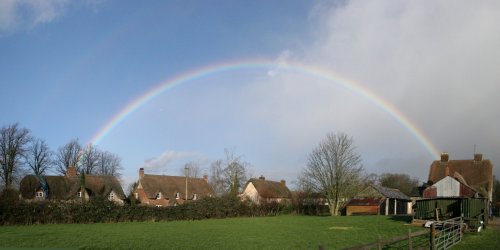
point(251, 193)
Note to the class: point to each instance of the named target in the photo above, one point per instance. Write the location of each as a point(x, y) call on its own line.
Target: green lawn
point(281, 232)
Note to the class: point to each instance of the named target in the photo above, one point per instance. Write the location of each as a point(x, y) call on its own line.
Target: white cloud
point(436, 62)
point(168, 159)
point(25, 14)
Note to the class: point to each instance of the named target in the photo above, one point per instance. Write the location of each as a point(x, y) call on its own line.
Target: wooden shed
point(378, 200)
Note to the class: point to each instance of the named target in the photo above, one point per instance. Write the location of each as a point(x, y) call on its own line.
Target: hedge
point(103, 211)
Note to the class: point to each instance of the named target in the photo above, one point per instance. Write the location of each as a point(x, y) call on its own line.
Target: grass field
point(281, 232)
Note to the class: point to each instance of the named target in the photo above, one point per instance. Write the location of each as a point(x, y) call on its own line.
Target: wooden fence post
point(410, 247)
point(432, 237)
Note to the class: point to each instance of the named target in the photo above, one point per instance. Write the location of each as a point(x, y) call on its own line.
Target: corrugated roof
point(365, 202)
point(391, 192)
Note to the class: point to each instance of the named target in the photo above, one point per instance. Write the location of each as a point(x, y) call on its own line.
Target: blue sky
point(67, 67)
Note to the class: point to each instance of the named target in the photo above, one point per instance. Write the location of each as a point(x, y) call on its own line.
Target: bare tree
point(89, 159)
point(334, 168)
point(39, 157)
point(216, 177)
point(229, 174)
point(109, 164)
point(68, 156)
point(194, 167)
point(13, 146)
point(403, 182)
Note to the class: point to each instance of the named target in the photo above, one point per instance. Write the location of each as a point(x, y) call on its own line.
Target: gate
point(446, 234)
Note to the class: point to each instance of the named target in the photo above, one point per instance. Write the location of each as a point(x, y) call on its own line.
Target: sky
point(163, 83)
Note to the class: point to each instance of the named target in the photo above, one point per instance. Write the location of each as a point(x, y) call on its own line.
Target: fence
point(442, 235)
point(411, 241)
point(446, 234)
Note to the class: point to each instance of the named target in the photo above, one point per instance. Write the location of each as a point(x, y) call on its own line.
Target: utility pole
point(186, 172)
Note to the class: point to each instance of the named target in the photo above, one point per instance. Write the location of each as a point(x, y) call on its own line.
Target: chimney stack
point(478, 157)
point(444, 157)
point(262, 178)
point(141, 173)
point(205, 177)
point(71, 172)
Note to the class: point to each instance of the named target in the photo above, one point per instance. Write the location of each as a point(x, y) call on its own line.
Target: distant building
point(264, 191)
point(476, 173)
point(71, 187)
point(164, 190)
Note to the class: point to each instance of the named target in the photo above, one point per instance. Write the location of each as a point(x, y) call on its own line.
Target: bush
point(103, 211)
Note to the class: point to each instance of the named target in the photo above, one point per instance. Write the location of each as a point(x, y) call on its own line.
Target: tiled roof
point(477, 174)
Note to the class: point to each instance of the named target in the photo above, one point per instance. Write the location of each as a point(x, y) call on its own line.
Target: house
point(378, 200)
point(163, 190)
point(262, 190)
point(450, 187)
point(476, 173)
point(71, 187)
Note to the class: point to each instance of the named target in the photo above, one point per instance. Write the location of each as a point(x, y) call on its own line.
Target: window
point(136, 195)
point(111, 196)
point(39, 194)
point(195, 196)
point(158, 196)
point(79, 194)
point(177, 195)
point(158, 205)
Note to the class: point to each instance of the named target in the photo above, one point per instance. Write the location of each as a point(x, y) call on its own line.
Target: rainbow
point(317, 72)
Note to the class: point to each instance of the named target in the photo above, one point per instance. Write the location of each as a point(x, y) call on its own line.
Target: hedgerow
point(103, 211)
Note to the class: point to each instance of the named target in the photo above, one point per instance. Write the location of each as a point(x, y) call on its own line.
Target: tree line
point(334, 168)
point(22, 153)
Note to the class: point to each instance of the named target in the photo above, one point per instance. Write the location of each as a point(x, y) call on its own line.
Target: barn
point(378, 200)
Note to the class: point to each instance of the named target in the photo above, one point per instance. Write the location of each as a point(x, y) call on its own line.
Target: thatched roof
point(101, 185)
point(64, 187)
point(270, 189)
point(477, 173)
point(170, 185)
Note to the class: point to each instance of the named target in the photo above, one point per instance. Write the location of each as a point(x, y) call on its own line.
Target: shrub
point(102, 211)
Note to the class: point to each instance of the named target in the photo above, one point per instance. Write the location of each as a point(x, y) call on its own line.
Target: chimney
point(283, 182)
point(141, 173)
point(478, 157)
point(444, 157)
point(205, 178)
point(262, 178)
point(71, 172)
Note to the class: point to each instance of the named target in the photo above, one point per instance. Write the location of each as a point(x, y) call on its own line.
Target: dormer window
point(177, 195)
point(158, 196)
point(111, 196)
point(39, 194)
